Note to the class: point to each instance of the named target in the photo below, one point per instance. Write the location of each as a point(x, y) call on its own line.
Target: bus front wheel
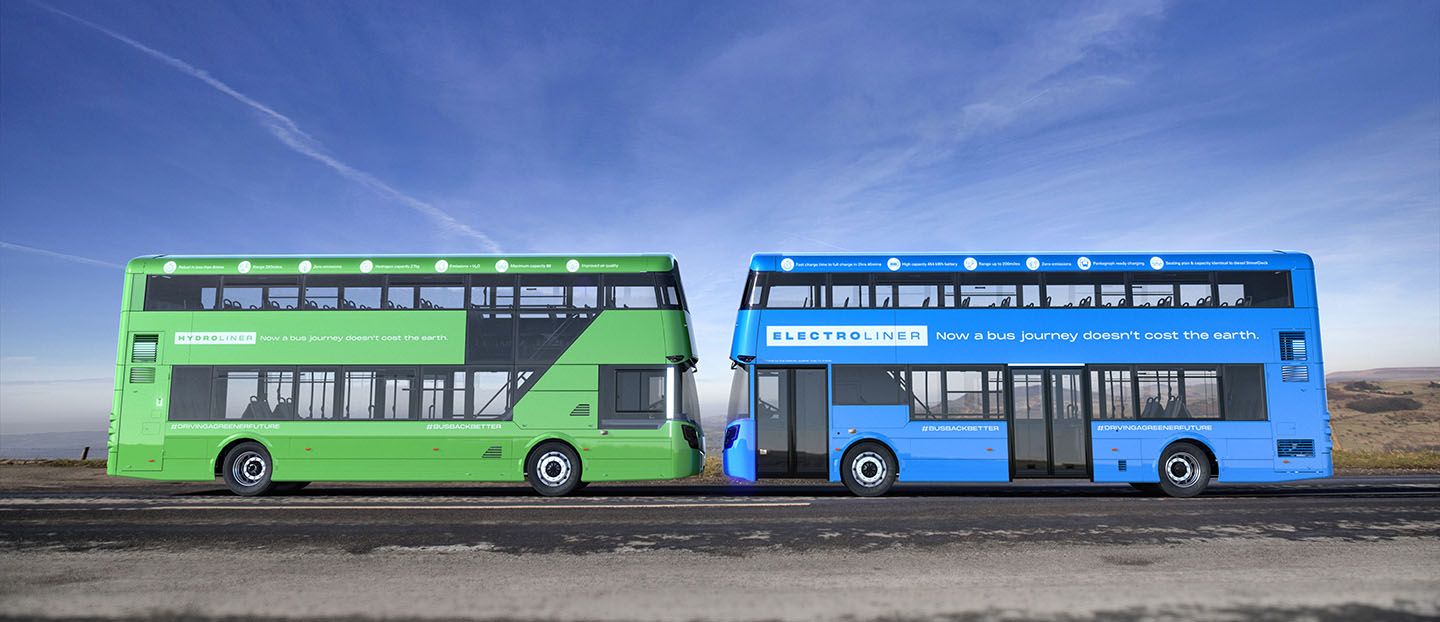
point(868, 469)
point(1184, 470)
point(553, 469)
point(247, 469)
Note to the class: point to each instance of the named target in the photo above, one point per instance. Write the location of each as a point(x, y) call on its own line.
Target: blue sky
point(711, 130)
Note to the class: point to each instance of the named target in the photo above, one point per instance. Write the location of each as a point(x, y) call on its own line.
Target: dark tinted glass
point(1244, 392)
point(492, 291)
point(867, 385)
point(640, 391)
point(180, 293)
point(490, 337)
point(543, 337)
point(632, 397)
point(190, 392)
point(1254, 289)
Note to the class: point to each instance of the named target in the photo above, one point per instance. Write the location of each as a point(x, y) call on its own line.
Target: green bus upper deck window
point(180, 293)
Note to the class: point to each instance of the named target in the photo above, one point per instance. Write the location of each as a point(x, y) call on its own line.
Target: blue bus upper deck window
point(1113, 294)
point(998, 290)
point(794, 291)
point(916, 291)
point(1254, 289)
point(1069, 291)
point(850, 291)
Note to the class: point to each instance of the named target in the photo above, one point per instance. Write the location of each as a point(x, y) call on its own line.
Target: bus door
point(792, 418)
point(1049, 436)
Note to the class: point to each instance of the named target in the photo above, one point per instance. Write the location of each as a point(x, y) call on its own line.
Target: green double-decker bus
point(276, 371)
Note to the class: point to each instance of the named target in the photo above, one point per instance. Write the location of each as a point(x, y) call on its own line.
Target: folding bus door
point(792, 408)
point(1048, 430)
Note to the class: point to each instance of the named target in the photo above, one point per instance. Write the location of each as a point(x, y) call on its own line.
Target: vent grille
point(1122, 465)
point(1292, 346)
point(580, 410)
point(143, 349)
point(1295, 373)
point(142, 375)
point(493, 452)
point(1295, 447)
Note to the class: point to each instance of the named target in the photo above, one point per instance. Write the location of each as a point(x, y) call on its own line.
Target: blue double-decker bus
point(1163, 371)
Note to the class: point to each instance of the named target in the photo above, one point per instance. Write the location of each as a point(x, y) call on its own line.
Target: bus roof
point(1020, 262)
point(400, 264)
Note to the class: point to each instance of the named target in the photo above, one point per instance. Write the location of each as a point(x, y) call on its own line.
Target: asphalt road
point(1341, 549)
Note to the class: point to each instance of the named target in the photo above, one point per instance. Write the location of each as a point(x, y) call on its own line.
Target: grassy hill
point(1386, 416)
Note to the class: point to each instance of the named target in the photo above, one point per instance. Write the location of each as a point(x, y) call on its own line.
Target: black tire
point(1184, 470)
point(1146, 487)
point(247, 469)
point(553, 469)
point(868, 469)
point(285, 488)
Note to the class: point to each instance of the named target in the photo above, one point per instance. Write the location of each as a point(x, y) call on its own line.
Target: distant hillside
point(1383, 374)
point(52, 445)
point(1408, 418)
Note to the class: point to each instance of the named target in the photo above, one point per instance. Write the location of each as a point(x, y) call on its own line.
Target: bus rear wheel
point(1184, 470)
point(247, 469)
point(868, 469)
point(553, 469)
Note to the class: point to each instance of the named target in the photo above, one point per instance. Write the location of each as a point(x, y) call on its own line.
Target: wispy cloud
point(289, 133)
point(55, 255)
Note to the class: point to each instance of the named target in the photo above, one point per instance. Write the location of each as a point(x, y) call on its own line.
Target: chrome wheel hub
point(553, 468)
point(249, 469)
point(868, 469)
point(1183, 470)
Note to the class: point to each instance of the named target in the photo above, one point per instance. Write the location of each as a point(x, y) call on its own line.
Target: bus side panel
point(676, 328)
point(926, 451)
point(956, 451)
point(638, 455)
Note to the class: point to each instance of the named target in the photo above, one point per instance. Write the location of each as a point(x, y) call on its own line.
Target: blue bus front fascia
point(739, 457)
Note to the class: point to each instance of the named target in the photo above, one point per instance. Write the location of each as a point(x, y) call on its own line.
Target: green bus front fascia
point(144, 443)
